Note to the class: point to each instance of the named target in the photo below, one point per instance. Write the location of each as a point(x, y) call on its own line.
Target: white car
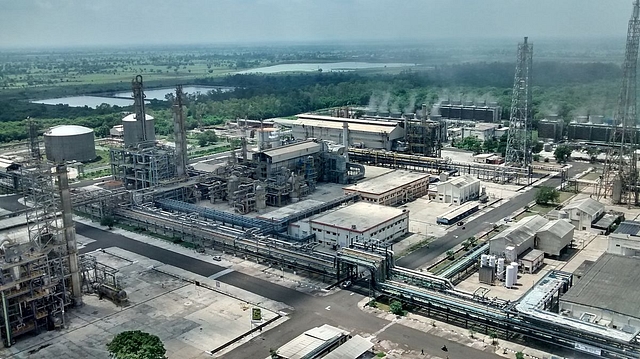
point(217, 258)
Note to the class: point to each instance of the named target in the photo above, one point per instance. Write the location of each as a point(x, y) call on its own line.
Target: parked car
point(217, 258)
point(460, 223)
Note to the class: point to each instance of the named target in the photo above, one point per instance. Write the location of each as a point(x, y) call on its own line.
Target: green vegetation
point(451, 255)
point(519, 355)
point(381, 355)
point(372, 303)
point(107, 221)
point(562, 153)
point(206, 138)
point(546, 195)
point(136, 345)
point(395, 307)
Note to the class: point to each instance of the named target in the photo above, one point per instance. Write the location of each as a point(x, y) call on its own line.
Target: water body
point(159, 94)
point(332, 66)
point(90, 101)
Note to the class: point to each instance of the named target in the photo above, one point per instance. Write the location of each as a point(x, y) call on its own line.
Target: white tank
point(484, 260)
point(492, 261)
point(500, 268)
point(510, 253)
point(515, 274)
point(508, 282)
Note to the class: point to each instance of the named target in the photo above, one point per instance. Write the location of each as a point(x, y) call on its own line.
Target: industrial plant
point(346, 197)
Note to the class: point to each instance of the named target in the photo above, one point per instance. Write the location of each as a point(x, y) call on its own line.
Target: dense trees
point(562, 153)
point(136, 344)
point(546, 195)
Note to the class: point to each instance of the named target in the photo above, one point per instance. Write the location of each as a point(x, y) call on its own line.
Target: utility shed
point(554, 237)
point(360, 221)
point(354, 348)
point(607, 294)
point(584, 212)
point(314, 343)
point(392, 188)
point(521, 236)
point(625, 240)
point(458, 190)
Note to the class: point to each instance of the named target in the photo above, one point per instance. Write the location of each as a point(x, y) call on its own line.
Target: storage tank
point(515, 274)
point(492, 261)
point(133, 130)
point(508, 281)
point(484, 260)
point(500, 268)
point(69, 143)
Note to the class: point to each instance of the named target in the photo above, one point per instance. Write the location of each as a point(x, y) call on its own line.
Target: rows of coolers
point(492, 267)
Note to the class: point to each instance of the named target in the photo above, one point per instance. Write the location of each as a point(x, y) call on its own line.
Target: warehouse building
point(533, 232)
point(358, 222)
point(554, 237)
point(359, 133)
point(325, 342)
point(458, 190)
point(583, 212)
point(607, 294)
point(392, 188)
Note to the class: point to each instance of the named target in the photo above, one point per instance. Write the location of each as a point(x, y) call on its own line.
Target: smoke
point(435, 110)
point(384, 104)
point(373, 102)
point(411, 107)
point(395, 106)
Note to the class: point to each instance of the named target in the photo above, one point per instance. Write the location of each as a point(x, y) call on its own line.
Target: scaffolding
point(143, 167)
point(424, 137)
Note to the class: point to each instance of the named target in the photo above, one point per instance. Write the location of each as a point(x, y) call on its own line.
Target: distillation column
point(69, 231)
point(180, 134)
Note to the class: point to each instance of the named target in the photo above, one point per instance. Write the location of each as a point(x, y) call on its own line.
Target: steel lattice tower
point(620, 174)
point(519, 136)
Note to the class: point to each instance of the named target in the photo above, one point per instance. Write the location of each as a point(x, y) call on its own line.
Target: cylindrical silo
point(133, 133)
point(515, 274)
point(69, 143)
point(492, 261)
point(508, 278)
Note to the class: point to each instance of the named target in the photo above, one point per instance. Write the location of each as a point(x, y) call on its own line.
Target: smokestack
point(69, 232)
point(424, 111)
point(345, 139)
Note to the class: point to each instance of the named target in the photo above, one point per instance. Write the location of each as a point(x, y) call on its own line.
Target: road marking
point(384, 328)
point(221, 273)
point(328, 307)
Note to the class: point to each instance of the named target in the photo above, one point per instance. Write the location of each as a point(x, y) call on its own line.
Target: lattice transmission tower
point(519, 135)
point(620, 174)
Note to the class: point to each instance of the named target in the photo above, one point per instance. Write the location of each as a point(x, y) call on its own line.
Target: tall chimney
point(345, 139)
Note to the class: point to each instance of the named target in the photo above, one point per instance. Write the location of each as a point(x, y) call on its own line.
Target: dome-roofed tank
point(133, 130)
point(70, 143)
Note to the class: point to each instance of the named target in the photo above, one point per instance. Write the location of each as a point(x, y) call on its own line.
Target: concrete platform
point(190, 320)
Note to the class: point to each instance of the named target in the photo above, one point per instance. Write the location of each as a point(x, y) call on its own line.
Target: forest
point(567, 89)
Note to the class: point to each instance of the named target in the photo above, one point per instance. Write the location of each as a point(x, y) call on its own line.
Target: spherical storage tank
point(70, 143)
point(133, 133)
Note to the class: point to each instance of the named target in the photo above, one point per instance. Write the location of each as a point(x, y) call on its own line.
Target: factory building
point(533, 232)
point(478, 111)
point(458, 190)
point(550, 129)
point(358, 222)
point(520, 237)
point(423, 137)
point(607, 294)
point(359, 133)
point(582, 213)
point(69, 143)
point(481, 131)
point(554, 237)
point(325, 342)
point(392, 188)
point(625, 240)
point(297, 155)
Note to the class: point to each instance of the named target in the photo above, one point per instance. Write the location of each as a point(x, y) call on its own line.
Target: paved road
point(427, 254)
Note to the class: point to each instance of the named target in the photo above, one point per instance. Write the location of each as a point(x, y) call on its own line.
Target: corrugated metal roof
point(363, 215)
point(523, 230)
point(352, 349)
point(533, 223)
point(309, 341)
point(610, 284)
point(292, 151)
point(558, 227)
point(628, 227)
point(587, 205)
point(362, 127)
point(67, 130)
point(386, 182)
point(462, 181)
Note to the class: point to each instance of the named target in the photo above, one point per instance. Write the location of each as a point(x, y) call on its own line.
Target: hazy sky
point(34, 23)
